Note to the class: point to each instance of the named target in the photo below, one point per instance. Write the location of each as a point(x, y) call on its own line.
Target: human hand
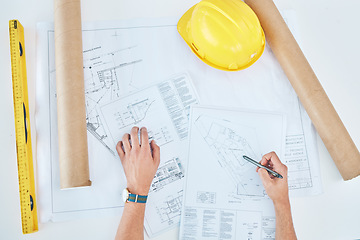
point(276, 188)
point(139, 163)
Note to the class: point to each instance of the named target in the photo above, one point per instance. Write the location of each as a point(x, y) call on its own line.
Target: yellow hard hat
point(225, 34)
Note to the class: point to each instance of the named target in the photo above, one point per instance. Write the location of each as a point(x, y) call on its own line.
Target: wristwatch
point(129, 197)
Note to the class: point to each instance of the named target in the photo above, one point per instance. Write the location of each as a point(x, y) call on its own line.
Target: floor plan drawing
point(164, 109)
point(169, 210)
point(172, 170)
point(223, 193)
point(135, 112)
point(161, 135)
point(102, 73)
point(229, 146)
point(140, 71)
point(170, 99)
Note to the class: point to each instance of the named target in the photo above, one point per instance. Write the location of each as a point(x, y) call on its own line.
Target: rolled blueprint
point(313, 97)
point(73, 148)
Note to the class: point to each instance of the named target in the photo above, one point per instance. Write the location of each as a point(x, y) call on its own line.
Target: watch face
point(125, 195)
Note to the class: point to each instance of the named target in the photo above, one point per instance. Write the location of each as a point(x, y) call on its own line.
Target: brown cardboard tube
point(313, 97)
point(73, 149)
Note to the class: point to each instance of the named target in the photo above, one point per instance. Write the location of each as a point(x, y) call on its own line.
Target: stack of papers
point(141, 72)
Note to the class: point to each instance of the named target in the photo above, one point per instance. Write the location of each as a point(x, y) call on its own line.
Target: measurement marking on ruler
point(22, 129)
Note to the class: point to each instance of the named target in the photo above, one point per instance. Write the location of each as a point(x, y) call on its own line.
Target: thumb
point(264, 176)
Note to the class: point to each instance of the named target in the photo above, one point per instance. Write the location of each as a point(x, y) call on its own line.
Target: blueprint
point(128, 82)
point(169, 172)
point(171, 100)
point(224, 196)
point(102, 84)
point(228, 145)
point(134, 76)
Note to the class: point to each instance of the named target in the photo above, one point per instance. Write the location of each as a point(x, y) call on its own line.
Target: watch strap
point(137, 198)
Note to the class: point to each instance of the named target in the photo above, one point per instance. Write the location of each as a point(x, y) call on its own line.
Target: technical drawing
point(161, 135)
point(102, 72)
point(170, 209)
point(124, 113)
point(135, 112)
point(171, 171)
point(108, 77)
point(229, 146)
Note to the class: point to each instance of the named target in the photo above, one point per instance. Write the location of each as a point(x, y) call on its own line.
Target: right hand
point(276, 188)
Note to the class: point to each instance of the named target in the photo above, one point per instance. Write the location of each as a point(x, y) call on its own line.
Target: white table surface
point(329, 32)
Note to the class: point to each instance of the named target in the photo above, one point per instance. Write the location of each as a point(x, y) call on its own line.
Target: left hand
point(139, 163)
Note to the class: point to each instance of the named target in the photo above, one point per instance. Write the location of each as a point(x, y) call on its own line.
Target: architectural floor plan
point(228, 144)
point(170, 99)
point(134, 75)
point(103, 72)
point(224, 195)
point(169, 172)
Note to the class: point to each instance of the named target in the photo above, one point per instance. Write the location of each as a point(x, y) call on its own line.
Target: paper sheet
point(126, 56)
point(171, 100)
point(224, 196)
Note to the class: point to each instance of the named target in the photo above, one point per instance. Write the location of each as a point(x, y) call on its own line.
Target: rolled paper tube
point(73, 148)
point(308, 88)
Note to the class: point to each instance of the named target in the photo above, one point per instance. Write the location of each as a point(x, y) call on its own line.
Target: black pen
point(275, 174)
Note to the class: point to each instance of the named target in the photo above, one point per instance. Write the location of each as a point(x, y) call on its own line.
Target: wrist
point(281, 203)
point(144, 191)
point(128, 196)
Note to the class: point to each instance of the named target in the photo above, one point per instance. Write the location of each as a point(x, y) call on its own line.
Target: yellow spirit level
point(22, 129)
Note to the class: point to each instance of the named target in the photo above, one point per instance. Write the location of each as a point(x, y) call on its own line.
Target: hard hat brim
point(182, 25)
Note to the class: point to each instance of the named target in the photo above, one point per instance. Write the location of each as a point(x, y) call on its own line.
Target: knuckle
point(135, 150)
point(122, 158)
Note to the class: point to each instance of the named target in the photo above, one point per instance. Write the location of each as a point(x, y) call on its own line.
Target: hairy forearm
point(132, 222)
point(284, 224)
